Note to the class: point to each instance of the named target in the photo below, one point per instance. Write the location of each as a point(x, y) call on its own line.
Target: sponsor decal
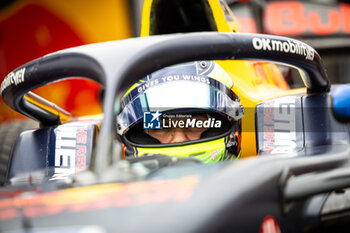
point(289, 46)
point(281, 122)
point(13, 78)
point(71, 150)
point(65, 152)
point(198, 78)
point(81, 148)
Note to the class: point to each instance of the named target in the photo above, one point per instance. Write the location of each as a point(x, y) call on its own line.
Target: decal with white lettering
point(13, 78)
point(73, 146)
point(65, 152)
point(279, 125)
point(290, 46)
point(170, 78)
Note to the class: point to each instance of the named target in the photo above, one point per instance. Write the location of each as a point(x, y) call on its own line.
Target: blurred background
point(32, 28)
point(323, 24)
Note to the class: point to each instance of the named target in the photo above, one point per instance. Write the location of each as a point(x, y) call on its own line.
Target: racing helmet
point(193, 99)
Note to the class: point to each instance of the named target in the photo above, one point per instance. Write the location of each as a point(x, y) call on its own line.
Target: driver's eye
point(195, 129)
point(159, 132)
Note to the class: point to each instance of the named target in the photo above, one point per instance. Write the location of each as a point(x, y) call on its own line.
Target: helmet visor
point(151, 102)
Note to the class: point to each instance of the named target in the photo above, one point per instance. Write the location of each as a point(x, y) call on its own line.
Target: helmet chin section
point(207, 152)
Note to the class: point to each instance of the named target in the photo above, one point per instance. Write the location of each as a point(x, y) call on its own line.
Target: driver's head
point(187, 110)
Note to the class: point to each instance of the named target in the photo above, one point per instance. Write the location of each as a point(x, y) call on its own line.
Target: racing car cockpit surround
point(186, 110)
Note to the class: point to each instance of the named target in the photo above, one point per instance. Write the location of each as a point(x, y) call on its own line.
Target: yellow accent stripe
point(146, 14)
point(185, 150)
point(219, 17)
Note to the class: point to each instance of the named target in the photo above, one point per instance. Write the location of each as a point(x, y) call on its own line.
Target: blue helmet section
point(341, 101)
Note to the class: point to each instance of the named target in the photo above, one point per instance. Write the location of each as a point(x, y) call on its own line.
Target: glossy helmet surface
point(197, 93)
